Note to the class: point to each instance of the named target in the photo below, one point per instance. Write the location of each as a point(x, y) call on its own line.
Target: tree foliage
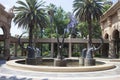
point(30, 14)
point(60, 21)
point(88, 11)
point(107, 5)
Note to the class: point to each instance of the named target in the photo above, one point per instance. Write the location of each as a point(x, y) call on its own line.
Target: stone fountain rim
point(14, 65)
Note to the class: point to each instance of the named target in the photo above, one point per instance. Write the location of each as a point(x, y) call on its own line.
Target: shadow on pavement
point(2, 62)
point(13, 78)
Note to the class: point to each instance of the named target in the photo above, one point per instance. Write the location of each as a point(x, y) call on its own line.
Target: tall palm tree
point(51, 11)
point(30, 14)
point(88, 11)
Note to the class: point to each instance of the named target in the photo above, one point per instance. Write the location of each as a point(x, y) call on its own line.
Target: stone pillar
point(7, 48)
point(52, 50)
point(16, 45)
point(104, 50)
point(22, 50)
point(70, 50)
point(112, 49)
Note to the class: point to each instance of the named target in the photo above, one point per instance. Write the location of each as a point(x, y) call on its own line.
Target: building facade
point(110, 26)
point(5, 25)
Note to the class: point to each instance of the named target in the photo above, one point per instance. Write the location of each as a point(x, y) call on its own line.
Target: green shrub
point(76, 54)
point(46, 54)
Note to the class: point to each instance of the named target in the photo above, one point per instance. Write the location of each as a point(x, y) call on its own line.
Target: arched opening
point(116, 40)
point(1, 31)
point(2, 42)
point(115, 34)
point(106, 36)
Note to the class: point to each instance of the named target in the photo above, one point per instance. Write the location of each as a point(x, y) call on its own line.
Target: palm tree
point(51, 11)
point(30, 15)
point(88, 11)
point(107, 5)
point(58, 18)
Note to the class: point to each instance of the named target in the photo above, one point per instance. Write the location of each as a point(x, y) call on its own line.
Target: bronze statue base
point(60, 63)
point(38, 60)
point(89, 62)
point(81, 61)
point(30, 61)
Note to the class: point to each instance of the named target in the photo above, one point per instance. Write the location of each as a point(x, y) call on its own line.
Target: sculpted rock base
point(38, 60)
point(60, 63)
point(31, 61)
point(81, 61)
point(89, 62)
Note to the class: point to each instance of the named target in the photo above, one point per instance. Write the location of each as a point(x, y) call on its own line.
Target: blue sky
point(65, 4)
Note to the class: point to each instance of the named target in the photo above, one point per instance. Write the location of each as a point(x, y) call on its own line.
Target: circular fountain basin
point(114, 60)
point(19, 64)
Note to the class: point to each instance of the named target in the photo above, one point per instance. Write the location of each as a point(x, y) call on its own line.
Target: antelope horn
point(100, 44)
point(19, 41)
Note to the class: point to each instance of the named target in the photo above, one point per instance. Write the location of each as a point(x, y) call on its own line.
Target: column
point(22, 50)
point(52, 50)
point(7, 49)
point(16, 45)
point(112, 53)
point(105, 50)
point(70, 50)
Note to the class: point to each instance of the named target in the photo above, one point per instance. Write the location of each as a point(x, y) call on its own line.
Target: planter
point(89, 62)
point(81, 61)
point(31, 61)
point(38, 60)
point(60, 63)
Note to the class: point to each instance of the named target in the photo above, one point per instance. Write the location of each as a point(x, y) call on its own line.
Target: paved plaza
point(7, 73)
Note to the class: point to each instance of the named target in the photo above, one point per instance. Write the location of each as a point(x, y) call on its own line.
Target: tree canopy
point(30, 14)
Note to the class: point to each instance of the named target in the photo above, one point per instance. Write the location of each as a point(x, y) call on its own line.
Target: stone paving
point(15, 74)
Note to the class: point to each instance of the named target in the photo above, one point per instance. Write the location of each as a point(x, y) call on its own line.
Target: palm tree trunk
point(30, 35)
point(89, 31)
point(41, 43)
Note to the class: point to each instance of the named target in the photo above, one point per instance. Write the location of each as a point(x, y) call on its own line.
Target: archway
point(106, 36)
point(2, 38)
point(1, 31)
point(5, 25)
point(116, 42)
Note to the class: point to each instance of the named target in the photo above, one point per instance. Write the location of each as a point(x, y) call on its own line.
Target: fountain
point(87, 55)
point(45, 67)
point(35, 62)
